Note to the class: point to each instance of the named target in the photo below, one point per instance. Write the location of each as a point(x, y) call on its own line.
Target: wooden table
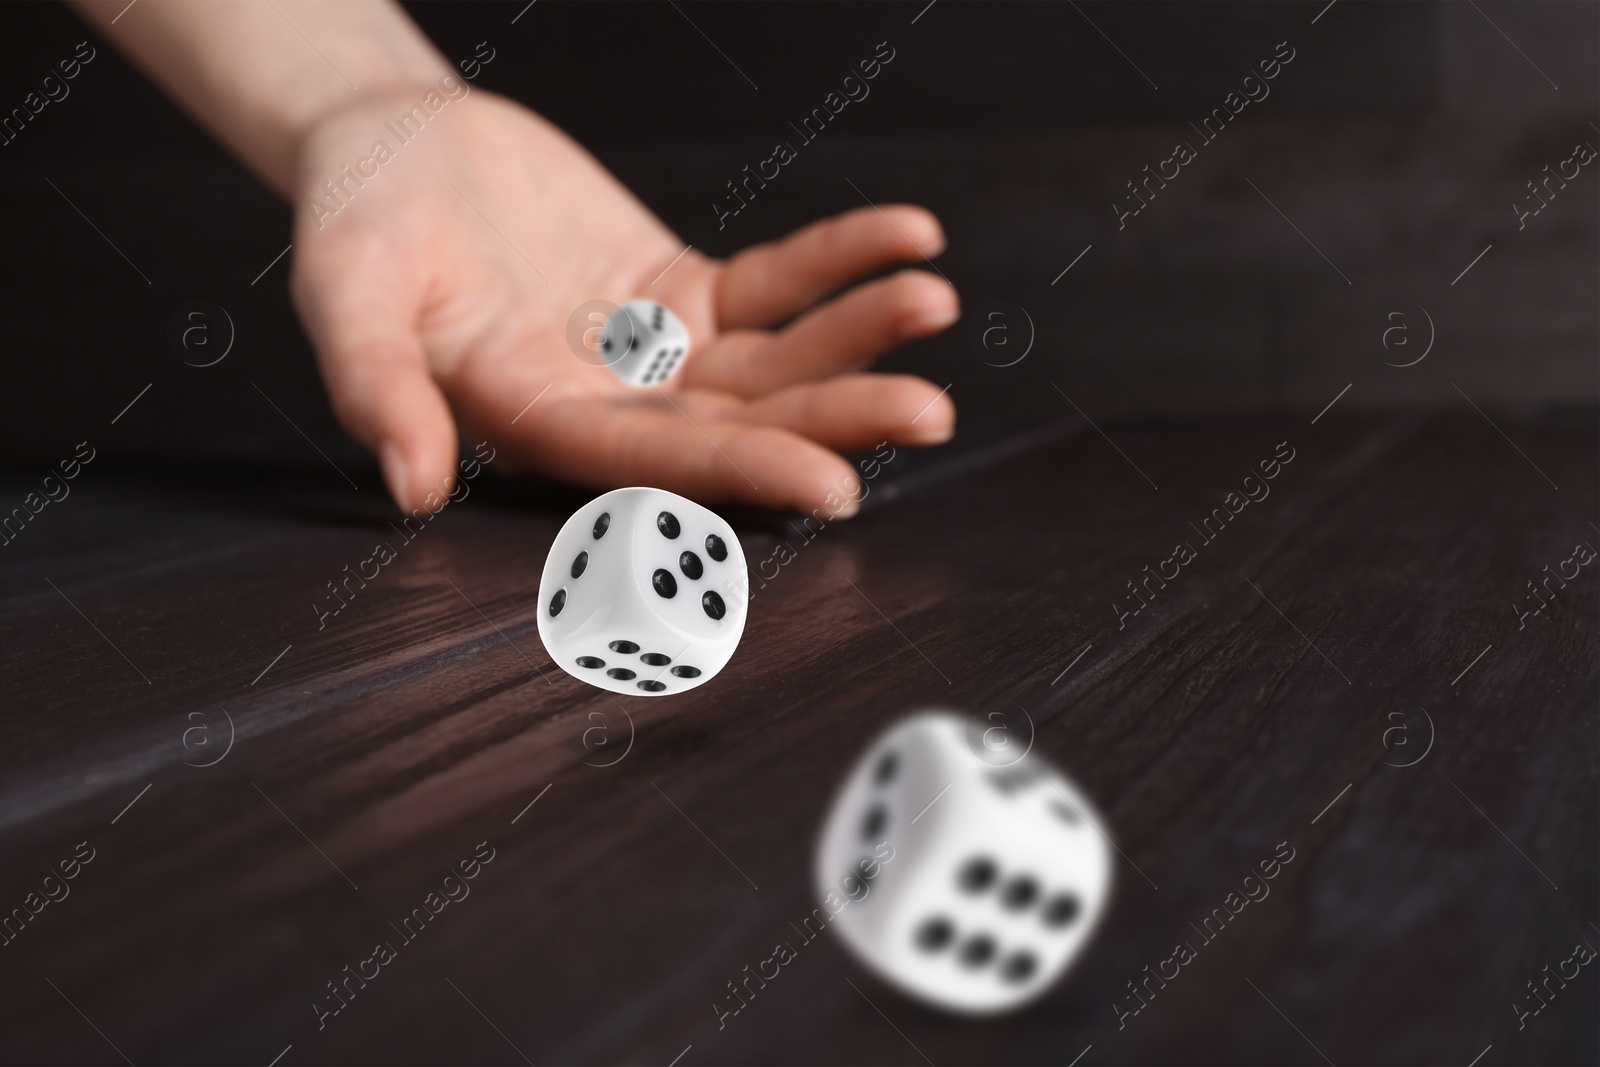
point(1339, 672)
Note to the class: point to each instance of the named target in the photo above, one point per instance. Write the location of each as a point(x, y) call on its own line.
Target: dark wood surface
point(1252, 703)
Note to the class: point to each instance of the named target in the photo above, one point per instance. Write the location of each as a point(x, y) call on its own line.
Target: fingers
point(606, 442)
point(385, 396)
point(378, 379)
point(770, 283)
point(844, 334)
point(859, 411)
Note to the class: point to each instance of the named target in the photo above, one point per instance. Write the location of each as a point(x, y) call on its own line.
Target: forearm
point(259, 73)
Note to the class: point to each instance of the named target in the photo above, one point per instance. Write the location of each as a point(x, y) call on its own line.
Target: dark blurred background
point(1397, 141)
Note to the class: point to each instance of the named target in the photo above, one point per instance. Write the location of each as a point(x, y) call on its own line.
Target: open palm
point(441, 292)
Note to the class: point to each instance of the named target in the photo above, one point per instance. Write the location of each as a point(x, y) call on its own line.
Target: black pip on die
point(643, 343)
point(643, 593)
point(1000, 874)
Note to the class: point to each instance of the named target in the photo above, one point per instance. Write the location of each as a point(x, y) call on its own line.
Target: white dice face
point(994, 883)
point(643, 343)
point(643, 593)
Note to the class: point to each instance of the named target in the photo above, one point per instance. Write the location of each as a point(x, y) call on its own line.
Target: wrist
point(372, 67)
point(351, 141)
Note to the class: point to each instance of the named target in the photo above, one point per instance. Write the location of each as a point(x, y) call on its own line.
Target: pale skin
point(439, 296)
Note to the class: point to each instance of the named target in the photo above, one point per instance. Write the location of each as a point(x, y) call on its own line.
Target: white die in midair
point(643, 593)
point(995, 887)
point(643, 343)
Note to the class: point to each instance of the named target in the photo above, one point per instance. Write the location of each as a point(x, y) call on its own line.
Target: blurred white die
point(643, 593)
point(643, 343)
point(996, 878)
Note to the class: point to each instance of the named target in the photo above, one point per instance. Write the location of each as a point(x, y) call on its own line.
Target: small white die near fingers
point(643, 343)
point(968, 884)
point(644, 593)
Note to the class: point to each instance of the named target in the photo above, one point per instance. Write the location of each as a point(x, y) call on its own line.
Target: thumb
point(376, 370)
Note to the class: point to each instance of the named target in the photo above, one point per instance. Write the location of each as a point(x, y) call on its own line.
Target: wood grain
point(1222, 720)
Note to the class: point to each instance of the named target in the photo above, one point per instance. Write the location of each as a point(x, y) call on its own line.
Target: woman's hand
point(440, 291)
